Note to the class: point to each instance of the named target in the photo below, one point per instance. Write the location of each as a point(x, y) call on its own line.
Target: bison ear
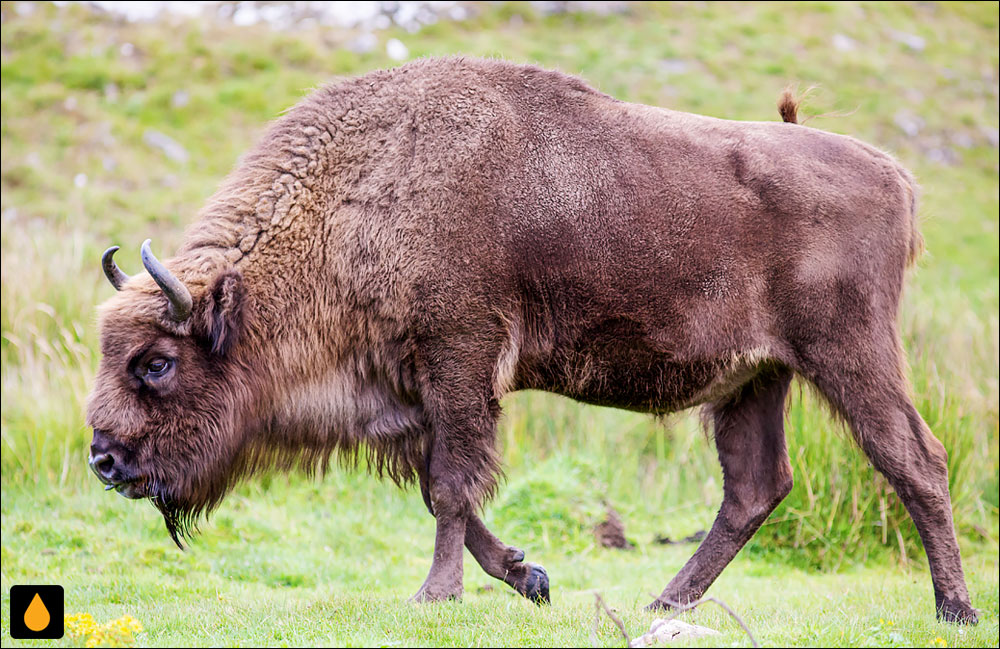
point(223, 313)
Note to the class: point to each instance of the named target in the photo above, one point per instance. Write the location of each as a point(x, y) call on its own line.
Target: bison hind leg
point(757, 475)
point(865, 385)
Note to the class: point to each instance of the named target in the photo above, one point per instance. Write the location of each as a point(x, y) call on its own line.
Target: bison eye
point(158, 367)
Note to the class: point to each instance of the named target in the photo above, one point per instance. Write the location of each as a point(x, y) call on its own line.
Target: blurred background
point(120, 119)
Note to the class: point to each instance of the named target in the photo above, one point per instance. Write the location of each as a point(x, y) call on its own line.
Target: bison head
point(171, 400)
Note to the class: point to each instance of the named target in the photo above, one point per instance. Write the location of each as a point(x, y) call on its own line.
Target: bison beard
point(403, 249)
point(181, 523)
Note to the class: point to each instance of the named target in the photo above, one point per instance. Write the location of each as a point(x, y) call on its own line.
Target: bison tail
point(916, 244)
point(916, 241)
point(788, 106)
point(789, 102)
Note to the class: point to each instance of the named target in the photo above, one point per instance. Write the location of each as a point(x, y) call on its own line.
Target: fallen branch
point(598, 605)
point(677, 607)
point(680, 608)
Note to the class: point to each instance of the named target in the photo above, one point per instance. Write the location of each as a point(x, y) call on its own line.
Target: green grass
point(333, 560)
point(266, 573)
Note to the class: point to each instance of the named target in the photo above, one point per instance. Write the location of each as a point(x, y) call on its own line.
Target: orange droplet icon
point(36, 617)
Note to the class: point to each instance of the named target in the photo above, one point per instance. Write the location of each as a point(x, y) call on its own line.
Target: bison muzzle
point(402, 249)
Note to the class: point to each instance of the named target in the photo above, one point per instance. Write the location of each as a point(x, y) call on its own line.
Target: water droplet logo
point(36, 612)
point(36, 617)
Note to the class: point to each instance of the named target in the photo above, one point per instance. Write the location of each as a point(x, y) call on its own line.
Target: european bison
point(402, 249)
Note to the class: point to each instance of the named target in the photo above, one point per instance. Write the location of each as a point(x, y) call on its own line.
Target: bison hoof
point(431, 594)
point(662, 603)
point(535, 586)
point(956, 612)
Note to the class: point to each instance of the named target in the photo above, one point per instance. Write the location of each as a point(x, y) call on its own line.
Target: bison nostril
point(103, 464)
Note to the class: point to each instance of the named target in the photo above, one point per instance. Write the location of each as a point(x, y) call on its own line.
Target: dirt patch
point(693, 538)
point(611, 532)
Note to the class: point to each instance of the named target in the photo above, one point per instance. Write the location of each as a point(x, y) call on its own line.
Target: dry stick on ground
point(680, 608)
point(598, 605)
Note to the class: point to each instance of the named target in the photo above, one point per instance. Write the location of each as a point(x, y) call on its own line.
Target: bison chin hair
point(181, 521)
point(183, 496)
point(181, 514)
point(183, 504)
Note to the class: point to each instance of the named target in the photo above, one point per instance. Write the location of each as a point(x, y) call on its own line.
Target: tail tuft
point(788, 106)
point(916, 241)
point(789, 102)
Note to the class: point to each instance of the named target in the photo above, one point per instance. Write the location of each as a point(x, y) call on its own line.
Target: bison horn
point(111, 270)
point(176, 292)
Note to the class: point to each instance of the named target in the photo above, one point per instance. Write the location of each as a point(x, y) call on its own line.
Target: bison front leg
point(496, 558)
point(445, 578)
point(750, 438)
point(462, 465)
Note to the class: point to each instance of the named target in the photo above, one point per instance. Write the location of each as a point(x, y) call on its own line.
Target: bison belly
point(615, 364)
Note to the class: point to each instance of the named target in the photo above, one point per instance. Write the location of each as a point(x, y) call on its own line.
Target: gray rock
point(396, 50)
point(169, 146)
point(908, 122)
point(992, 135)
point(663, 631)
point(962, 140)
point(675, 66)
point(568, 6)
point(943, 155)
point(843, 43)
point(912, 41)
point(363, 44)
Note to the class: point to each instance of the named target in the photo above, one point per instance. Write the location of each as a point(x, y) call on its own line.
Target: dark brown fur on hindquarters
point(401, 250)
point(899, 444)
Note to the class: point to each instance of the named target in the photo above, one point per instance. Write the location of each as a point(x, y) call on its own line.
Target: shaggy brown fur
point(402, 249)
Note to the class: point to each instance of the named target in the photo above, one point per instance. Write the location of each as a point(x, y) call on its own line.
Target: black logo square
point(36, 612)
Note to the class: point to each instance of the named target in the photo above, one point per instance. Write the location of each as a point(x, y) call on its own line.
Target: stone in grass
point(663, 631)
point(169, 146)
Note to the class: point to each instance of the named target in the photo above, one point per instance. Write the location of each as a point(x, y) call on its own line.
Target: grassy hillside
point(86, 100)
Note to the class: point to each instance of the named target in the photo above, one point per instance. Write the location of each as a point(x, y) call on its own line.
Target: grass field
point(332, 560)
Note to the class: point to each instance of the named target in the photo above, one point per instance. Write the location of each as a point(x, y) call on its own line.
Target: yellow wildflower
point(115, 633)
